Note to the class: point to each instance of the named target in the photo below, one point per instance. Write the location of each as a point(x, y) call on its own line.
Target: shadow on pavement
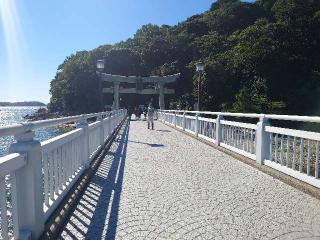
point(96, 214)
point(149, 144)
point(163, 130)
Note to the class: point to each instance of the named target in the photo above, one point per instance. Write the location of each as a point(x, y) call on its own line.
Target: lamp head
point(200, 66)
point(100, 65)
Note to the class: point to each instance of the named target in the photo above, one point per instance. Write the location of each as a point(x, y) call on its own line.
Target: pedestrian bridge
point(196, 176)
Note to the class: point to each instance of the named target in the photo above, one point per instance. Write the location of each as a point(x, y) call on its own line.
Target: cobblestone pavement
point(162, 184)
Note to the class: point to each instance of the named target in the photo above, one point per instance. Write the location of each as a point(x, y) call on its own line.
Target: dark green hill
point(260, 57)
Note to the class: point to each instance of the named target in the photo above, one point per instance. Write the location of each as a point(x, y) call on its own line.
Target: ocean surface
point(13, 115)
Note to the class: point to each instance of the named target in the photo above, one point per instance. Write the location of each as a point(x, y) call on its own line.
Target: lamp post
point(200, 69)
point(100, 67)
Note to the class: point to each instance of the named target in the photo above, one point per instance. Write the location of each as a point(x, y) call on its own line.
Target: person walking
point(136, 112)
point(145, 113)
point(151, 111)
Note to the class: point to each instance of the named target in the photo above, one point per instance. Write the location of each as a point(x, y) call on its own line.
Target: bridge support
point(29, 182)
point(262, 141)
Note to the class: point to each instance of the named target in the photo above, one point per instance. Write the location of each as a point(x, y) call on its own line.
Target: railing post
point(118, 118)
point(29, 190)
point(197, 125)
point(262, 141)
point(113, 120)
point(219, 130)
point(184, 121)
point(100, 119)
point(111, 124)
point(106, 123)
point(122, 115)
point(175, 119)
point(85, 147)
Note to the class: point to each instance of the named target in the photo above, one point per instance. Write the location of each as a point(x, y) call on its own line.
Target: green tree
point(260, 57)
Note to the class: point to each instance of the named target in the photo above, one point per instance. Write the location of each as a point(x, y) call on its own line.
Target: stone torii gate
point(139, 89)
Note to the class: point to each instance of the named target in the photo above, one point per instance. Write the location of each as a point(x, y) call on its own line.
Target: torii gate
point(160, 81)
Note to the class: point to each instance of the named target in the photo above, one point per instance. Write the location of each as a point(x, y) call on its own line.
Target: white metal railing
point(8, 194)
point(291, 151)
point(239, 137)
point(294, 151)
point(40, 174)
point(207, 128)
point(190, 123)
point(179, 121)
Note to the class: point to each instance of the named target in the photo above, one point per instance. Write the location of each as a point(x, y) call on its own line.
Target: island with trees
point(259, 57)
point(22, 104)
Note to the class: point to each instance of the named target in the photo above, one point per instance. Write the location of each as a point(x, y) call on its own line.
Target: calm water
point(12, 115)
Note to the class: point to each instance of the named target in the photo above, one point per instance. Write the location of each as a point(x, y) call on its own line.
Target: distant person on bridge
point(151, 111)
point(145, 113)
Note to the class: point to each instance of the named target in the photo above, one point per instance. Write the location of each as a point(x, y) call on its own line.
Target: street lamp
point(100, 67)
point(200, 70)
point(200, 66)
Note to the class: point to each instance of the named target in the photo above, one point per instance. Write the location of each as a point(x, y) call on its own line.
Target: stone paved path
point(163, 184)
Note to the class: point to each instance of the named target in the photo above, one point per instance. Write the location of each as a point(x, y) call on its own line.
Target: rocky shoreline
point(43, 114)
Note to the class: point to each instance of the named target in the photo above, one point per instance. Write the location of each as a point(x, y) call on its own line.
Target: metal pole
point(199, 79)
point(100, 90)
point(101, 94)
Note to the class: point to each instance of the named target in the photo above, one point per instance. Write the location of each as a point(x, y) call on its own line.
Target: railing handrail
point(29, 126)
point(314, 119)
point(10, 163)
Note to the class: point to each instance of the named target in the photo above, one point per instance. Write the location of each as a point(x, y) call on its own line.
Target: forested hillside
point(260, 57)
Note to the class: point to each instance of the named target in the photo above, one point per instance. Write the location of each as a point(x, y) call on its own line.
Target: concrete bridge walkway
point(163, 184)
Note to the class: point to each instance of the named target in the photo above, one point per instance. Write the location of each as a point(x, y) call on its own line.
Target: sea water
point(14, 115)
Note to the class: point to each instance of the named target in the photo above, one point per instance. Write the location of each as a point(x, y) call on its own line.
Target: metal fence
point(35, 176)
point(291, 151)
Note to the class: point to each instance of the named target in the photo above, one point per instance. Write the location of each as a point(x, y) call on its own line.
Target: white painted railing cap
point(315, 119)
point(30, 126)
point(11, 162)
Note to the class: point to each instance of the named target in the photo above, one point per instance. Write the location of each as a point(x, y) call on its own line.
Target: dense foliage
point(260, 57)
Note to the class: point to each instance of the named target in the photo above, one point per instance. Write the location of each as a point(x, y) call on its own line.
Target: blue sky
point(37, 35)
